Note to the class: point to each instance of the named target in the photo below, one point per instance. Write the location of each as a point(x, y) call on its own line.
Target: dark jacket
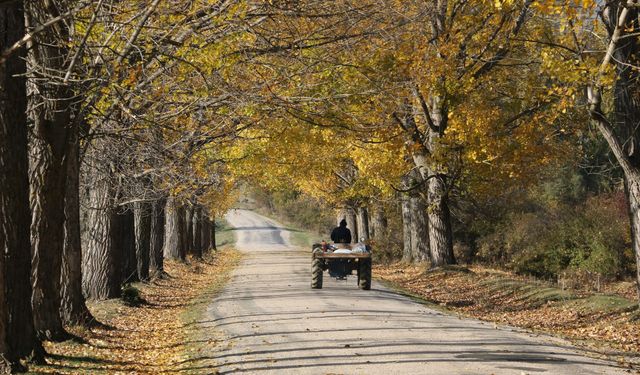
point(341, 235)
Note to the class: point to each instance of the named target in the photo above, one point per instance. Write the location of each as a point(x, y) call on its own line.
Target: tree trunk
point(419, 229)
point(206, 233)
point(362, 223)
point(622, 132)
point(188, 223)
point(349, 215)
point(182, 230)
point(174, 227)
point(214, 246)
point(102, 260)
point(142, 218)
point(50, 111)
point(73, 308)
point(378, 223)
point(627, 116)
point(17, 334)
point(128, 245)
point(440, 233)
point(197, 232)
point(633, 193)
point(407, 253)
point(156, 257)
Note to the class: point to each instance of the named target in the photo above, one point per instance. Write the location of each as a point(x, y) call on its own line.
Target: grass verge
point(225, 236)
point(301, 238)
point(166, 334)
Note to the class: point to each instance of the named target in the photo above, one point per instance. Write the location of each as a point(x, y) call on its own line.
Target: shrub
point(131, 295)
point(386, 250)
point(591, 237)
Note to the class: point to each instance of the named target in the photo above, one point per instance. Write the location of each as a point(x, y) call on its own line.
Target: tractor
point(341, 260)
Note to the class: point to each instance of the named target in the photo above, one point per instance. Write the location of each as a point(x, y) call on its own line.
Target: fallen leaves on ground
point(167, 334)
point(504, 298)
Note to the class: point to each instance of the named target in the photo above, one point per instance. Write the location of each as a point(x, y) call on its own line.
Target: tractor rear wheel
point(316, 273)
point(364, 274)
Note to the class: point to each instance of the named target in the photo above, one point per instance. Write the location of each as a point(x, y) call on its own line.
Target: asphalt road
point(274, 323)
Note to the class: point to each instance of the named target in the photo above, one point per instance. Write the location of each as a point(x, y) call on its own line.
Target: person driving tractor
point(341, 234)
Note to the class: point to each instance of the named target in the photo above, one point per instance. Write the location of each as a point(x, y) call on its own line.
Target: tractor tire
point(364, 274)
point(316, 274)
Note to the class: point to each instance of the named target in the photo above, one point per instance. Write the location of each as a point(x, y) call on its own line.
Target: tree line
point(108, 158)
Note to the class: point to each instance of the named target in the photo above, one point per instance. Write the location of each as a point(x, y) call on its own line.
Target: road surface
point(274, 323)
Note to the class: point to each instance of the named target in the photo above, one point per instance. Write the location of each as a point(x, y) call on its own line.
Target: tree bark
point(440, 233)
point(206, 233)
point(621, 132)
point(405, 206)
point(174, 227)
point(188, 222)
point(142, 218)
point(378, 222)
point(128, 245)
point(419, 229)
point(156, 261)
point(182, 230)
point(50, 111)
point(102, 263)
point(214, 245)
point(17, 335)
point(627, 115)
point(362, 223)
point(633, 193)
point(73, 309)
point(197, 231)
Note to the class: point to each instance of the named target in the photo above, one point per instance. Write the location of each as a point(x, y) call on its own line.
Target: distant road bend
point(275, 324)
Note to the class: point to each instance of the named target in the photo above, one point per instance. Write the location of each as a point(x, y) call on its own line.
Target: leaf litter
point(607, 324)
point(166, 334)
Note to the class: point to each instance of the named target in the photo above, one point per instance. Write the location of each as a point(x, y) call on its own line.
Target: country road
point(273, 323)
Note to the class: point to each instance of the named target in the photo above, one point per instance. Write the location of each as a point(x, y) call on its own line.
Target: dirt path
point(276, 324)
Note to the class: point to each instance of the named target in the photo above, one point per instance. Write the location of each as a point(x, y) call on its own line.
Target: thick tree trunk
point(214, 245)
point(188, 222)
point(362, 220)
point(633, 193)
point(73, 308)
point(197, 231)
point(378, 222)
point(102, 260)
point(17, 334)
point(622, 132)
point(50, 111)
point(422, 146)
point(419, 230)
point(156, 257)
point(182, 230)
point(352, 223)
point(206, 233)
point(174, 227)
point(440, 233)
point(142, 218)
point(405, 206)
point(128, 245)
